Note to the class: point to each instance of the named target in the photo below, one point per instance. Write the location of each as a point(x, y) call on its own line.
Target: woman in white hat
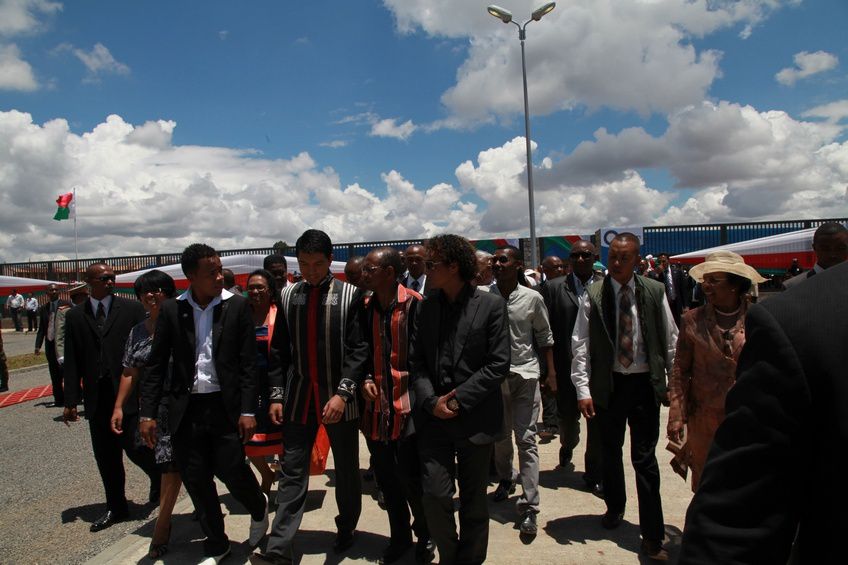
point(711, 338)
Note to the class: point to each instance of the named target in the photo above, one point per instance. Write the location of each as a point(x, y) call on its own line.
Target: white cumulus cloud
point(137, 192)
point(390, 128)
point(19, 17)
point(15, 73)
point(807, 64)
point(586, 53)
point(98, 60)
point(833, 112)
point(745, 164)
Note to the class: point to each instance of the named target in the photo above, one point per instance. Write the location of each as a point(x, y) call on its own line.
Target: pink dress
point(704, 370)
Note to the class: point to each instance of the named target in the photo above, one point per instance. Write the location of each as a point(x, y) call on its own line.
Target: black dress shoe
point(425, 551)
point(595, 488)
point(528, 525)
point(107, 520)
point(395, 551)
point(505, 488)
point(654, 550)
point(344, 539)
point(612, 520)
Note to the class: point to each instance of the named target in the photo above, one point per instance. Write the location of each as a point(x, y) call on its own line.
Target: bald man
point(95, 337)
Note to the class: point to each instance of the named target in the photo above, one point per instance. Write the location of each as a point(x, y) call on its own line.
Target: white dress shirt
point(422, 280)
point(205, 376)
point(581, 368)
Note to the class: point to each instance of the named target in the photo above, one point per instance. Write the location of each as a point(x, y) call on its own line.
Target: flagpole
point(76, 248)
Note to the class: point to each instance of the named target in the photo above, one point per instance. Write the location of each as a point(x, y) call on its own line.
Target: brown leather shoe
point(654, 550)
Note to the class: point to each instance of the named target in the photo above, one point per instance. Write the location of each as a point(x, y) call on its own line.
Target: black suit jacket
point(775, 464)
point(233, 349)
point(481, 362)
point(44, 319)
point(682, 290)
point(88, 354)
point(562, 302)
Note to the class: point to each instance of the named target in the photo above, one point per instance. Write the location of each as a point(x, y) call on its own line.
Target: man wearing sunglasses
point(96, 333)
point(562, 297)
point(458, 360)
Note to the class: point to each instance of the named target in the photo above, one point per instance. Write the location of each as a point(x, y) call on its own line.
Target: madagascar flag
point(64, 202)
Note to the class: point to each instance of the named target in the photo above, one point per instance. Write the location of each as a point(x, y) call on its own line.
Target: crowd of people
point(446, 358)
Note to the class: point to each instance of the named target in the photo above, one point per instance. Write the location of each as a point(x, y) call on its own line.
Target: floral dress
point(136, 356)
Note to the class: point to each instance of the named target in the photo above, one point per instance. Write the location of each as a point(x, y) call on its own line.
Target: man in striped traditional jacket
point(312, 383)
point(387, 325)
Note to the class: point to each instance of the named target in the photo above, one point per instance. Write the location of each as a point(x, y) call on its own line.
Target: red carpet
point(18, 396)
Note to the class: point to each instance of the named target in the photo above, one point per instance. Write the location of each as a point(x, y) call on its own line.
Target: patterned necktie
point(625, 328)
point(669, 285)
point(51, 325)
point(415, 285)
point(100, 318)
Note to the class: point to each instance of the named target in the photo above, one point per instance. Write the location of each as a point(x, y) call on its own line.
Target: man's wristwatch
point(145, 419)
point(452, 404)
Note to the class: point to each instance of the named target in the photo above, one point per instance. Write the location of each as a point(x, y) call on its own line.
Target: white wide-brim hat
point(725, 262)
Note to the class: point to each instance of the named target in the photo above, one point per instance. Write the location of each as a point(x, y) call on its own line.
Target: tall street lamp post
point(506, 17)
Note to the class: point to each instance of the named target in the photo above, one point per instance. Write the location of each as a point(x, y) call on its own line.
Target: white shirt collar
point(225, 295)
point(616, 286)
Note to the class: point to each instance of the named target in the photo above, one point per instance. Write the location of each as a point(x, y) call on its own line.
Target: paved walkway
point(569, 524)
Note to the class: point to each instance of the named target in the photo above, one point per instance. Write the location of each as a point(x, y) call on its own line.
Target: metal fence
point(656, 239)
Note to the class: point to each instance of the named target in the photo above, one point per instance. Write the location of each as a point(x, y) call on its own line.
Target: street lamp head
point(502, 14)
point(542, 10)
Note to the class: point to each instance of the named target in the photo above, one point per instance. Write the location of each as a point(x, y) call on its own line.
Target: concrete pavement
point(569, 523)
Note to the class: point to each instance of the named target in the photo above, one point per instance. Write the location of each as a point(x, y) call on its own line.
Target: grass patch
point(25, 360)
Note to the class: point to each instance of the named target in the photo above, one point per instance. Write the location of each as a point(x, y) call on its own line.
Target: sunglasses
point(502, 259)
point(106, 278)
point(430, 265)
point(581, 255)
point(372, 268)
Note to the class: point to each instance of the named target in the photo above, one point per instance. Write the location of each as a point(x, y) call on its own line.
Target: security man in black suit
point(562, 297)
point(775, 466)
point(209, 334)
point(677, 289)
point(46, 336)
point(96, 334)
point(458, 361)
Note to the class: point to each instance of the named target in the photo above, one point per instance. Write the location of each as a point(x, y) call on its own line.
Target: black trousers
point(398, 472)
point(56, 372)
point(633, 402)
point(569, 428)
point(207, 445)
point(109, 449)
point(550, 417)
point(16, 319)
point(294, 482)
point(32, 321)
point(443, 461)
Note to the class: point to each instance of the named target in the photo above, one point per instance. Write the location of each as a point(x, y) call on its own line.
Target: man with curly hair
point(458, 360)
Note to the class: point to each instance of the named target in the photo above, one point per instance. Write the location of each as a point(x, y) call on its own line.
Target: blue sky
point(244, 123)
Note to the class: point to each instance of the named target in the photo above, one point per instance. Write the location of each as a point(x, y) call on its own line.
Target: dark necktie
point(415, 285)
point(100, 317)
point(625, 328)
